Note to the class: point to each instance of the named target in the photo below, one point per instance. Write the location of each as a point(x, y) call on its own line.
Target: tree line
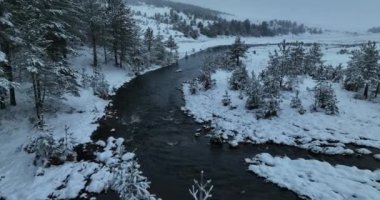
point(192, 26)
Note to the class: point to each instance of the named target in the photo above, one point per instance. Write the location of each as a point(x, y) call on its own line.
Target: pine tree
point(363, 70)
point(325, 98)
point(239, 79)
point(93, 16)
point(238, 51)
point(297, 54)
point(369, 67)
point(123, 30)
point(254, 92)
point(171, 44)
point(313, 59)
point(159, 53)
point(149, 38)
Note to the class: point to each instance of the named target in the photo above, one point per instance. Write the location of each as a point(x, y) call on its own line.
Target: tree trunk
point(37, 98)
point(377, 89)
point(105, 54)
point(9, 73)
point(121, 61)
point(94, 44)
point(366, 91)
point(115, 54)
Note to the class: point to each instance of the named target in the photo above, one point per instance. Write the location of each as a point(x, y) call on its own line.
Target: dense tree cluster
point(36, 37)
point(284, 67)
point(363, 71)
point(374, 30)
point(247, 28)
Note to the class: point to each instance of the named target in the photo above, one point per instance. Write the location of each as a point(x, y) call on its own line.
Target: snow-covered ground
point(357, 123)
point(18, 175)
point(317, 180)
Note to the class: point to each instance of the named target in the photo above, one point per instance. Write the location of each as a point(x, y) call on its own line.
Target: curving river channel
point(149, 117)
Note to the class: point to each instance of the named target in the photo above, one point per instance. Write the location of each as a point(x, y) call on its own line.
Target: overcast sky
point(348, 15)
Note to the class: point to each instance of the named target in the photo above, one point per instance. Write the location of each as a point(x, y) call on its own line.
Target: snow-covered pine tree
point(171, 44)
point(238, 51)
point(123, 30)
point(370, 69)
point(149, 38)
point(239, 79)
point(297, 54)
point(43, 46)
point(325, 98)
point(8, 42)
point(271, 95)
point(313, 59)
point(159, 53)
point(353, 79)
point(254, 92)
point(277, 68)
point(93, 17)
point(173, 53)
point(363, 70)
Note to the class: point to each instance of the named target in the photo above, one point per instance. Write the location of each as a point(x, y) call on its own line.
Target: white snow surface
point(2, 56)
point(358, 121)
point(317, 180)
point(18, 178)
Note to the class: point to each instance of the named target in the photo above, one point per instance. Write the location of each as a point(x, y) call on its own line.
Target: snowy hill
point(342, 15)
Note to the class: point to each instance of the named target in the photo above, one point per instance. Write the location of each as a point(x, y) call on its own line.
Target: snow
point(317, 180)
point(19, 178)
point(363, 151)
point(2, 57)
point(313, 131)
point(345, 15)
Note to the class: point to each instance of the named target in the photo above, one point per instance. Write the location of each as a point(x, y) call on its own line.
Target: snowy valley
point(97, 93)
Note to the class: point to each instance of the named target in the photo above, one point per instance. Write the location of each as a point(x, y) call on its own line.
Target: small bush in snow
point(201, 190)
point(296, 103)
point(46, 150)
point(100, 86)
point(206, 80)
point(270, 108)
point(130, 183)
point(86, 79)
point(226, 99)
point(51, 151)
point(325, 98)
point(193, 86)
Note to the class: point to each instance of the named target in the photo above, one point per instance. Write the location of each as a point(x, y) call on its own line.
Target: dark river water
point(148, 116)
